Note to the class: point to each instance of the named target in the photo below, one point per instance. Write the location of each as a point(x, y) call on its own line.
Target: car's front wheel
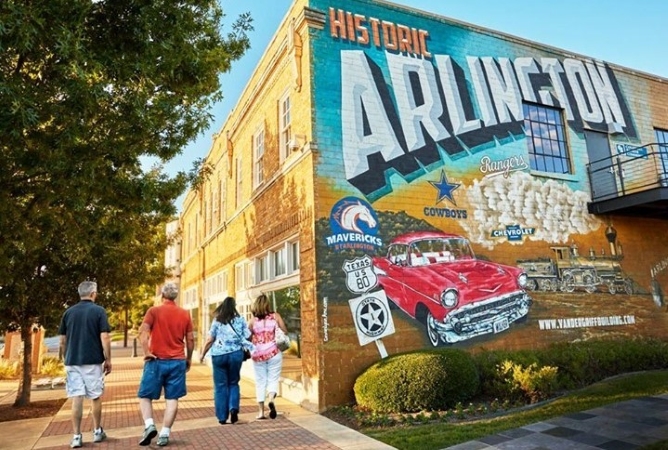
point(432, 334)
point(430, 327)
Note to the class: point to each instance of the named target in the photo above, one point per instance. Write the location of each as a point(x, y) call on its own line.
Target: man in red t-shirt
point(164, 333)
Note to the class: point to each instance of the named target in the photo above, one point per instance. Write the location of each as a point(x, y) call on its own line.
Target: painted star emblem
point(372, 317)
point(444, 188)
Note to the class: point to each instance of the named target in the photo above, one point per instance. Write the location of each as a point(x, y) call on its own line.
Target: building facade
point(397, 180)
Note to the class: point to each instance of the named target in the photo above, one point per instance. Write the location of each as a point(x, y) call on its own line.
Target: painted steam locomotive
point(568, 271)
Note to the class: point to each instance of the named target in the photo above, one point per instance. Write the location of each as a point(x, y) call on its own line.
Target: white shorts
point(87, 381)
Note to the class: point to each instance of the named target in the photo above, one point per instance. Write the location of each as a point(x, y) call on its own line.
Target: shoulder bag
point(282, 339)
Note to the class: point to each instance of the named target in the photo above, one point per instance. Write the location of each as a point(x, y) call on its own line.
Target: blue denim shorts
point(169, 374)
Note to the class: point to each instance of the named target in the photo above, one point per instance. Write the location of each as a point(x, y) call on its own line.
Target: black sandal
point(272, 410)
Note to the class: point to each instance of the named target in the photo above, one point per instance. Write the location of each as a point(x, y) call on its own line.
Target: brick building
point(397, 180)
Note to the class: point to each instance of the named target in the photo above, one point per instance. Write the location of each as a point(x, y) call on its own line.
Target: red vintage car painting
point(436, 279)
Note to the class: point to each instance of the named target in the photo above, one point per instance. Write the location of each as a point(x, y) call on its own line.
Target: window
point(662, 140)
point(222, 192)
point(208, 215)
point(277, 263)
point(209, 212)
point(258, 159)
point(215, 287)
point(240, 277)
point(215, 202)
point(279, 258)
point(293, 256)
point(190, 238)
point(189, 299)
point(285, 129)
point(262, 266)
point(248, 270)
point(243, 275)
point(546, 139)
point(196, 231)
point(240, 181)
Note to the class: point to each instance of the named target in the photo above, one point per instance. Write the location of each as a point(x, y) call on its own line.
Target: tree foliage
point(89, 89)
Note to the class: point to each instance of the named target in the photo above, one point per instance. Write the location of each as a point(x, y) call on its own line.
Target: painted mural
point(436, 279)
point(453, 179)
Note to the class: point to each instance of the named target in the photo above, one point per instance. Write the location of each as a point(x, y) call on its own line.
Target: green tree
point(89, 90)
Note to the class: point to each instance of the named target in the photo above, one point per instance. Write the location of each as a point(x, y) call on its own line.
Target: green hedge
point(422, 381)
point(580, 363)
point(584, 363)
point(438, 379)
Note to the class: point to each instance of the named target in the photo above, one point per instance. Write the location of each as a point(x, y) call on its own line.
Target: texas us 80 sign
point(360, 277)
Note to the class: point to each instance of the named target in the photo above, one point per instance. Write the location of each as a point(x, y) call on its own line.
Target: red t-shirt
point(169, 326)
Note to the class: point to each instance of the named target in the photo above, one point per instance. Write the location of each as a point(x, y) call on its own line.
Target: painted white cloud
point(552, 208)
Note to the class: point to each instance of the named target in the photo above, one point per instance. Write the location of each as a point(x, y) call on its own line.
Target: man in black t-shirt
point(84, 338)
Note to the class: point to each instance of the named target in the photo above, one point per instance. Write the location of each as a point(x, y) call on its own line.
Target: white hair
point(170, 291)
point(86, 289)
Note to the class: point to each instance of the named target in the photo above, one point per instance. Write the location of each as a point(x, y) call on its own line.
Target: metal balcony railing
point(636, 170)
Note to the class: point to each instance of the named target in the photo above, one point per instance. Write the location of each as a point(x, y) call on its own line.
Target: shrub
point(584, 363)
point(52, 367)
point(580, 363)
point(431, 380)
point(531, 382)
point(8, 369)
point(493, 384)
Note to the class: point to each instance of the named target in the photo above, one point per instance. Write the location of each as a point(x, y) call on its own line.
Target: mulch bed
point(42, 408)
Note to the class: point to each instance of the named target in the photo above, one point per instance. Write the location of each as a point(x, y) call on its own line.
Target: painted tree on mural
point(87, 105)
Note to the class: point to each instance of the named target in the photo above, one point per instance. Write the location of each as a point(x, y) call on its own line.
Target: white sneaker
point(99, 437)
point(76, 441)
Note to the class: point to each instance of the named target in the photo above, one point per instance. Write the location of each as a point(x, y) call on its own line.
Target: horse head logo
point(350, 214)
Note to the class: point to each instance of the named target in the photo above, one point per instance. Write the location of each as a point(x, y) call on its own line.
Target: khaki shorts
point(87, 381)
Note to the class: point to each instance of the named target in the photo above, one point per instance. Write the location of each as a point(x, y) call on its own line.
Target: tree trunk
point(125, 329)
point(25, 382)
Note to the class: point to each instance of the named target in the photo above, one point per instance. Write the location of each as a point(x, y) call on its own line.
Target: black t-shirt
point(82, 324)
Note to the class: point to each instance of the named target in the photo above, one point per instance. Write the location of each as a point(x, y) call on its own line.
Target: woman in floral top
point(267, 358)
point(228, 337)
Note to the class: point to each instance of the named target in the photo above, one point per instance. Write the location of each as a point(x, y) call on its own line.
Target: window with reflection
point(546, 139)
point(287, 303)
point(662, 140)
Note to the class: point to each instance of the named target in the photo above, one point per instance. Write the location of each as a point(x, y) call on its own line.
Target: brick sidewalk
point(196, 426)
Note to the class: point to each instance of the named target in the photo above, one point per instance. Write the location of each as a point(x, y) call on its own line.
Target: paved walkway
point(620, 426)
point(196, 426)
point(627, 425)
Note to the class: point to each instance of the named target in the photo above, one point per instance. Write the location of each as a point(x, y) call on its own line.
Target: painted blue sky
point(631, 34)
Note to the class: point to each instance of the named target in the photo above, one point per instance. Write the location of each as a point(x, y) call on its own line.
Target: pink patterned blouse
point(264, 338)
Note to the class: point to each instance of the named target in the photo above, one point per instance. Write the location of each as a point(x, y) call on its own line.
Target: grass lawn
point(440, 435)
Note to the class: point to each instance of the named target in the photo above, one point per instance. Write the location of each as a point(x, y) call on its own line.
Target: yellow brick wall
point(282, 207)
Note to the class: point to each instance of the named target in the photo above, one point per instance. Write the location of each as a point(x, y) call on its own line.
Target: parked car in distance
point(436, 279)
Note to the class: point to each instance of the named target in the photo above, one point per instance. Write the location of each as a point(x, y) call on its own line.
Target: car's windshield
point(440, 250)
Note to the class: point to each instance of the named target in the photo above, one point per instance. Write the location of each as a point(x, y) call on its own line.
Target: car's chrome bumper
point(489, 316)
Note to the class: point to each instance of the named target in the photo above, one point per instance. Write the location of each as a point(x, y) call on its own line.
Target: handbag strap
point(241, 340)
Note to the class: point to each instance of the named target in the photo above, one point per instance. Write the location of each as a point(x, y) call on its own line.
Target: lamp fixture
point(295, 144)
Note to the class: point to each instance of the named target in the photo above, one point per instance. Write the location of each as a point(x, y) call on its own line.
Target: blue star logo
point(444, 189)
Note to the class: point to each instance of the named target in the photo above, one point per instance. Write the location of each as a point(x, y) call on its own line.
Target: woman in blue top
point(227, 338)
